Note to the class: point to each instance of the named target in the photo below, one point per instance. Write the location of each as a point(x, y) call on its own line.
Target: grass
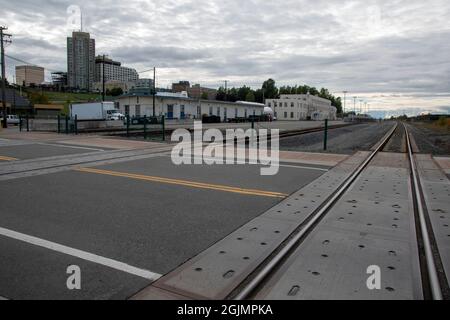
point(66, 98)
point(63, 97)
point(442, 125)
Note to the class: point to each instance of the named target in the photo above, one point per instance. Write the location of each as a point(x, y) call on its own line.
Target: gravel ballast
point(346, 140)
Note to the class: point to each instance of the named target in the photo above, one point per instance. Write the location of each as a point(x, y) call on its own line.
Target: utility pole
point(2, 47)
point(354, 104)
point(103, 79)
point(154, 91)
point(226, 90)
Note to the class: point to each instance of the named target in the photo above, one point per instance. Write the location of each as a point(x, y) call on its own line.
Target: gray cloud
point(375, 46)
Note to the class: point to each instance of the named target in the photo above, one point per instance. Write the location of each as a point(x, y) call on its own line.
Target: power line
point(28, 63)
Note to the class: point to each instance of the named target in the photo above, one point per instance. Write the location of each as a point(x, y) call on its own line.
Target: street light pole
point(2, 47)
point(345, 101)
point(154, 91)
point(103, 80)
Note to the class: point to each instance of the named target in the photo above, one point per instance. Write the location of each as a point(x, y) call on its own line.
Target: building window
point(292, 105)
point(170, 111)
point(218, 111)
point(285, 105)
point(210, 111)
point(270, 105)
point(127, 110)
point(285, 115)
point(137, 110)
point(292, 115)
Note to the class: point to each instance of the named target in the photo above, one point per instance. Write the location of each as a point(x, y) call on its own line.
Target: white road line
point(70, 146)
point(303, 167)
point(281, 165)
point(258, 164)
point(81, 254)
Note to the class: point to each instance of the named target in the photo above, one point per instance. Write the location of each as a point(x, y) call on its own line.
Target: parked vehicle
point(211, 119)
point(115, 115)
point(142, 120)
point(92, 111)
point(11, 119)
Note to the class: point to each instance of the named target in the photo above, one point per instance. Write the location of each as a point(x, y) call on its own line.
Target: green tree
point(221, 94)
point(38, 98)
point(116, 92)
point(243, 92)
point(250, 97)
point(232, 95)
point(259, 96)
point(270, 89)
point(205, 96)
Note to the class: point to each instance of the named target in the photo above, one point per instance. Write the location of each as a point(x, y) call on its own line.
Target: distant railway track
point(294, 133)
point(283, 134)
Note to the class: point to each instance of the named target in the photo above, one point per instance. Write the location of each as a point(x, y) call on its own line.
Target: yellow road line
point(186, 183)
point(4, 158)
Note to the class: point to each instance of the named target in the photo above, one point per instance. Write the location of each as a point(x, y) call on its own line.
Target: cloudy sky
point(393, 54)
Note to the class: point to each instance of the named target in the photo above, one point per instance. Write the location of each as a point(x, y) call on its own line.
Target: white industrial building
point(298, 107)
point(179, 106)
point(114, 71)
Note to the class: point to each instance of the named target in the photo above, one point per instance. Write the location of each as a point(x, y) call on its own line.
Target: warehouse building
point(180, 106)
point(297, 107)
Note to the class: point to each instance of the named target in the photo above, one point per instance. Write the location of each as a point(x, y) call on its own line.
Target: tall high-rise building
point(29, 75)
point(114, 71)
point(81, 61)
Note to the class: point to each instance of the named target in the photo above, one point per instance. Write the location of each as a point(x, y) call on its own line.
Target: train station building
point(302, 107)
point(180, 106)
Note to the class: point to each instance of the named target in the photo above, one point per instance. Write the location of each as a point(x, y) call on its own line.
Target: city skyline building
point(81, 61)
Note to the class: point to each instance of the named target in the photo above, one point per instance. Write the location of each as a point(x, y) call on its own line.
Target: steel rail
point(432, 272)
point(250, 287)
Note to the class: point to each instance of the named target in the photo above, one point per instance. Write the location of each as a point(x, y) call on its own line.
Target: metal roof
point(164, 95)
point(14, 98)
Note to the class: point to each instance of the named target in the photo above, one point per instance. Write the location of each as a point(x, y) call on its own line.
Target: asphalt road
point(39, 150)
point(154, 217)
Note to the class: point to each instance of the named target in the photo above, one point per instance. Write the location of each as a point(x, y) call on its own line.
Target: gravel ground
point(397, 143)
point(343, 141)
point(431, 140)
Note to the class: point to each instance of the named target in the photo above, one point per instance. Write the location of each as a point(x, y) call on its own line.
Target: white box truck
point(93, 111)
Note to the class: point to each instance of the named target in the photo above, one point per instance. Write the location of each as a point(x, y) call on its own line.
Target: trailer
point(92, 111)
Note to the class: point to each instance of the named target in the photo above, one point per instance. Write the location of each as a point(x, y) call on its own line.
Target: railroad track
point(429, 271)
point(312, 130)
point(264, 278)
